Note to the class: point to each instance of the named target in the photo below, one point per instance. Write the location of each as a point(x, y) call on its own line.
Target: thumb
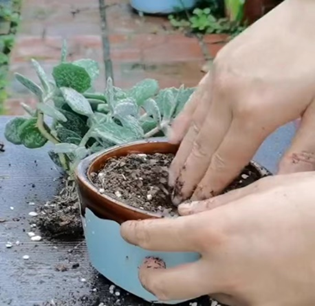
point(300, 157)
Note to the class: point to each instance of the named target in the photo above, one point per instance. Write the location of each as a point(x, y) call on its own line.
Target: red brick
point(215, 38)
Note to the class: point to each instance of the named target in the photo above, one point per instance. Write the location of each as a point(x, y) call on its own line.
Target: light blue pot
point(162, 6)
point(109, 253)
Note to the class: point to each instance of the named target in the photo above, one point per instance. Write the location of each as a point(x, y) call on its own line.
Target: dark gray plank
point(35, 281)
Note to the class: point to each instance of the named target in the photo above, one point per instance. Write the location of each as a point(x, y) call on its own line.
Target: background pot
point(101, 216)
point(255, 9)
point(162, 6)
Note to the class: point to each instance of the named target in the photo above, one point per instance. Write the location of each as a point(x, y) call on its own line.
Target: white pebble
point(9, 245)
point(193, 304)
point(118, 194)
point(36, 238)
point(12, 208)
point(25, 257)
point(83, 280)
point(33, 214)
point(214, 303)
point(17, 242)
point(101, 174)
point(142, 155)
point(33, 225)
point(149, 197)
point(101, 190)
point(31, 203)
point(101, 304)
point(111, 289)
point(117, 293)
point(244, 176)
point(31, 234)
point(94, 289)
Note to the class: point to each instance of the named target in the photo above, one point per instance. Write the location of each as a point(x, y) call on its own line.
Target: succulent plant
point(79, 121)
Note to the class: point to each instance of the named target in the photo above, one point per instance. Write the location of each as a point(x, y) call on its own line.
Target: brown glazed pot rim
point(85, 168)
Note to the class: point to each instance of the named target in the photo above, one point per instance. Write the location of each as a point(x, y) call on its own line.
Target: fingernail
point(184, 209)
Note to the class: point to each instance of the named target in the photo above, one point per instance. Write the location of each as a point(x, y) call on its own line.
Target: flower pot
point(255, 9)
point(162, 6)
point(114, 258)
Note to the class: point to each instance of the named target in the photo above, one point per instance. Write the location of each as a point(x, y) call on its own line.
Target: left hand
point(257, 245)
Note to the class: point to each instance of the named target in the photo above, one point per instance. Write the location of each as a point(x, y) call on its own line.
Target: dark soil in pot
point(141, 181)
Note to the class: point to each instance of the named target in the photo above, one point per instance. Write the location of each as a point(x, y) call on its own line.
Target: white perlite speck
point(12, 208)
point(17, 242)
point(31, 203)
point(111, 289)
point(31, 234)
point(33, 214)
point(193, 304)
point(118, 194)
point(25, 257)
point(83, 280)
point(117, 293)
point(149, 197)
point(36, 238)
point(9, 245)
point(101, 190)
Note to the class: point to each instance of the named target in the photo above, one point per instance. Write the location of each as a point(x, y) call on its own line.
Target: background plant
point(82, 121)
point(207, 18)
point(9, 19)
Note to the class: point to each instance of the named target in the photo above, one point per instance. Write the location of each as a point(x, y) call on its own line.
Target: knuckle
point(142, 236)
point(195, 126)
point(218, 163)
point(198, 149)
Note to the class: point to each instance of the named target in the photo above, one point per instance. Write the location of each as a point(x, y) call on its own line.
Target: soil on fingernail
point(141, 181)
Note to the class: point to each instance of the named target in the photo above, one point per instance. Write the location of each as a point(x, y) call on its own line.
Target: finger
point(194, 128)
point(226, 299)
point(171, 235)
point(217, 123)
point(301, 154)
point(182, 282)
point(181, 124)
point(238, 147)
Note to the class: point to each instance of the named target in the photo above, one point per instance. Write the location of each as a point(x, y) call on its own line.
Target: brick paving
point(140, 46)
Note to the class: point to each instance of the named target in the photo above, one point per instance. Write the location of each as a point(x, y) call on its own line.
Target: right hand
point(261, 80)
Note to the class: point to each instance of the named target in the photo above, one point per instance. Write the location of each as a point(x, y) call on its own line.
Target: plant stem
point(156, 129)
point(41, 127)
point(94, 96)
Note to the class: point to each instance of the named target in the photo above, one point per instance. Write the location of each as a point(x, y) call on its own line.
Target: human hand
point(261, 80)
point(257, 245)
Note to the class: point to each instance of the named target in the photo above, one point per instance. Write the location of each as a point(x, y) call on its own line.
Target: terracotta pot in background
point(255, 9)
point(101, 216)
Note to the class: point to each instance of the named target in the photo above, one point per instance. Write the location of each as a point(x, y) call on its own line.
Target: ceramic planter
point(162, 6)
point(114, 258)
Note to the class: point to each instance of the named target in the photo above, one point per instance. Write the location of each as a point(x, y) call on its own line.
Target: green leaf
point(111, 131)
point(51, 112)
point(30, 85)
point(125, 108)
point(152, 109)
point(133, 125)
point(103, 108)
point(97, 119)
point(28, 109)
point(119, 93)
point(182, 98)
point(64, 51)
point(41, 75)
point(55, 158)
point(13, 130)
point(30, 135)
point(74, 123)
point(167, 103)
point(77, 102)
point(72, 76)
point(144, 90)
point(65, 135)
point(90, 66)
point(148, 124)
point(64, 148)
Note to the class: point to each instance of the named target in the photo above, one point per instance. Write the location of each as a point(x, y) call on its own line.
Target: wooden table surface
point(29, 176)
